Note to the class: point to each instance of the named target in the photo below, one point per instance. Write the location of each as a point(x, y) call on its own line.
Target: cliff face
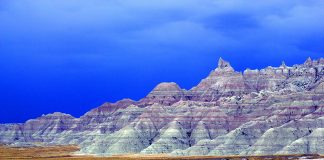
point(276, 110)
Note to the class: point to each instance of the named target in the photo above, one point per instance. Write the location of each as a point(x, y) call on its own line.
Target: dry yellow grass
point(66, 153)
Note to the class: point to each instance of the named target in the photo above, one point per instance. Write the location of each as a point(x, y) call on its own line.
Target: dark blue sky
point(73, 55)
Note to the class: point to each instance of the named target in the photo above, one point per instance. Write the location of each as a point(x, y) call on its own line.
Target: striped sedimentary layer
point(276, 110)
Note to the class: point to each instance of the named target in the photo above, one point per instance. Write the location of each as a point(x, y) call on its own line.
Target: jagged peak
point(309, 59)
point(321, 61)
point(283, 65)
point(308, 62)
point(224, 65)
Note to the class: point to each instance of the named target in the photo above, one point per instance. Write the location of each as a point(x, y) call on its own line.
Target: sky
point(73, 55)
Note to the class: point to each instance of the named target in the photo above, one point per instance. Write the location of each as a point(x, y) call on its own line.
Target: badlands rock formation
point(276, 110)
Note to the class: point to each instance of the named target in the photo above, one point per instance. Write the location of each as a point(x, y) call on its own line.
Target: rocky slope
point(276, 110)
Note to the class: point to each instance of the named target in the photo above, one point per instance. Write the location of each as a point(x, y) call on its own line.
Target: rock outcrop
point(164, 93)
point(276, 110)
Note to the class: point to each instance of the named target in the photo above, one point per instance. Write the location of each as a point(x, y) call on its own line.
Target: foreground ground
point(66, 152)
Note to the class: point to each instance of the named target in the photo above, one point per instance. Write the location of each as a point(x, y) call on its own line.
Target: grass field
point(66, 152)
